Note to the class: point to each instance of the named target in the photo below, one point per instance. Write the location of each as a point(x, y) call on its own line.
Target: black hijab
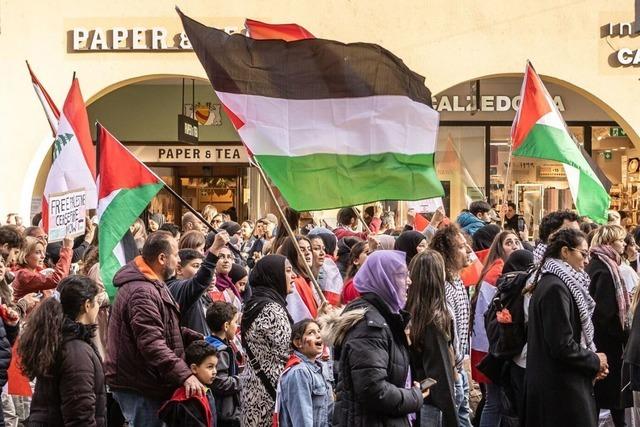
point(268, 284)
point(519, 260)
point(407, 242)
point(483, 238)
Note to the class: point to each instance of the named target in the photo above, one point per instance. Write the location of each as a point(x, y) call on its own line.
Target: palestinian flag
point(539, 131)
point(125, 188)
point(74, 156)
point(331, 124)
point(479, 341)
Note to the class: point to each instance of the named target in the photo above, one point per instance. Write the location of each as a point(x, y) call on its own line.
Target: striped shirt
point(460, 307)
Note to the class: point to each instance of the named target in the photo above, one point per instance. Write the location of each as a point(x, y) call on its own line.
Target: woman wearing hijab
point(411, 243)
point(382, 242)
point(562, 362)
point(266, 334)
point(374, 387)
point(610, 318)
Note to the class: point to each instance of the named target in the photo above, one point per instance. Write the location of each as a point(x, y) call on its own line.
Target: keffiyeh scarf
point(578, 284)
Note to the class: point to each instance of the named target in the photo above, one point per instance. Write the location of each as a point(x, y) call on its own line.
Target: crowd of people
point(228, 324)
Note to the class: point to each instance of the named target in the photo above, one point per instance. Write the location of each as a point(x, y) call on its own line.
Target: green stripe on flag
point(327, 181)
point(552, 143)
point(119, 215)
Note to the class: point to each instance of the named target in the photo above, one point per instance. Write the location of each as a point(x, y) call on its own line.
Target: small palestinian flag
point(125, 188)
point(331, 124)
point(539, 131)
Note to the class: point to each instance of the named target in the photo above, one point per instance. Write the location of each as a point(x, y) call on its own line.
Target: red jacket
point(145, 346)
point(27, 281)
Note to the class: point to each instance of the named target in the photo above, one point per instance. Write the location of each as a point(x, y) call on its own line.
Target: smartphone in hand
point(427, 384)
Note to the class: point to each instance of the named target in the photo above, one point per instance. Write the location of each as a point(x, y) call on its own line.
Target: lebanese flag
point(74, 156)
point(479, 341)
point(125, 188)
point(539, 131)
point(288, 32)
point(348, 123)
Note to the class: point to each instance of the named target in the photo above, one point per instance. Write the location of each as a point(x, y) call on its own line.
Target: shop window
point(619, 160)
point(460, 164)
point(164, 202)
point(537, 186)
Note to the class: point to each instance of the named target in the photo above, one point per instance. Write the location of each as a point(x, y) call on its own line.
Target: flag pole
point(167, 187)
point(287, 227)
point(361, 218)
point(507, 182)
point(190, 208)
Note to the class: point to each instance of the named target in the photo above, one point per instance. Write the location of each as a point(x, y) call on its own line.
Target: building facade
point(138, 74)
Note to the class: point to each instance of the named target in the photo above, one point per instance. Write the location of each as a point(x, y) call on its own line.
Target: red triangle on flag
point(533, 105)
point(118, 168)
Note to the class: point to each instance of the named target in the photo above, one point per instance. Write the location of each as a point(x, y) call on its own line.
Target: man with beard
point(145, 350)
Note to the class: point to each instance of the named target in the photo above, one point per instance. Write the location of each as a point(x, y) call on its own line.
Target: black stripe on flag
point(596, 169)
point(303, 69)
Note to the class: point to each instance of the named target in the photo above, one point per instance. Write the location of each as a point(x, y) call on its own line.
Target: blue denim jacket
point(306, 398)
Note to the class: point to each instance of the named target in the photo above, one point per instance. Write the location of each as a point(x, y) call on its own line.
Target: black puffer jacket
point(8, 336)
point(373, 365)
point(74, 395)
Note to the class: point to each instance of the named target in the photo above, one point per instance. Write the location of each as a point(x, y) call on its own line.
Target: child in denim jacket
point(304, 397)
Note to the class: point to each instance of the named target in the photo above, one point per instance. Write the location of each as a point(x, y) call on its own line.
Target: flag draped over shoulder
point(74, 156)
point(539, 131)
point(125, 188)
point(331, 124)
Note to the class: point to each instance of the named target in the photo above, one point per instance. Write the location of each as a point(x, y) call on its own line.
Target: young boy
point(196, 410)
point(222, 319)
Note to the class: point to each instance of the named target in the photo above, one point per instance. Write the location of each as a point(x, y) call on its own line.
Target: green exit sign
point(617, 131)
point(608, 155)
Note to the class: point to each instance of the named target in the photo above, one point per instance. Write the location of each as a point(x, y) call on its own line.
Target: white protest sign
point(67, 212)
point(426, 205)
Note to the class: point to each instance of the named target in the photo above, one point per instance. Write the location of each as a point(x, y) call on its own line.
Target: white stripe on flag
point(479, 340)
point(48, 111)
point(69, 170)
point(118, 252)
point(356, 126)
point(105, 201)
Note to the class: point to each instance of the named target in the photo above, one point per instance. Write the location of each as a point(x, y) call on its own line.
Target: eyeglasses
point(585, 253)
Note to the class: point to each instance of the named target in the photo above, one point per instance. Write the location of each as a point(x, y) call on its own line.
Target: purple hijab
point(384, 273)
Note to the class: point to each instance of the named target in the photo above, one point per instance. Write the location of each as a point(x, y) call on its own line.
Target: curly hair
point(444, 241)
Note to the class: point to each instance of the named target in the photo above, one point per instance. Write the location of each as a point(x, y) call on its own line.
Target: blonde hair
point(209, 212)
point(29, 246)
point(607, 234)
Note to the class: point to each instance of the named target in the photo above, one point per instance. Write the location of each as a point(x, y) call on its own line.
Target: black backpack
point(508, 340)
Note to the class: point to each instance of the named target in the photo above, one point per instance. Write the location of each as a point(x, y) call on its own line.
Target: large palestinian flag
point(539, 131)
point(332, 124)
point(125, 188)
